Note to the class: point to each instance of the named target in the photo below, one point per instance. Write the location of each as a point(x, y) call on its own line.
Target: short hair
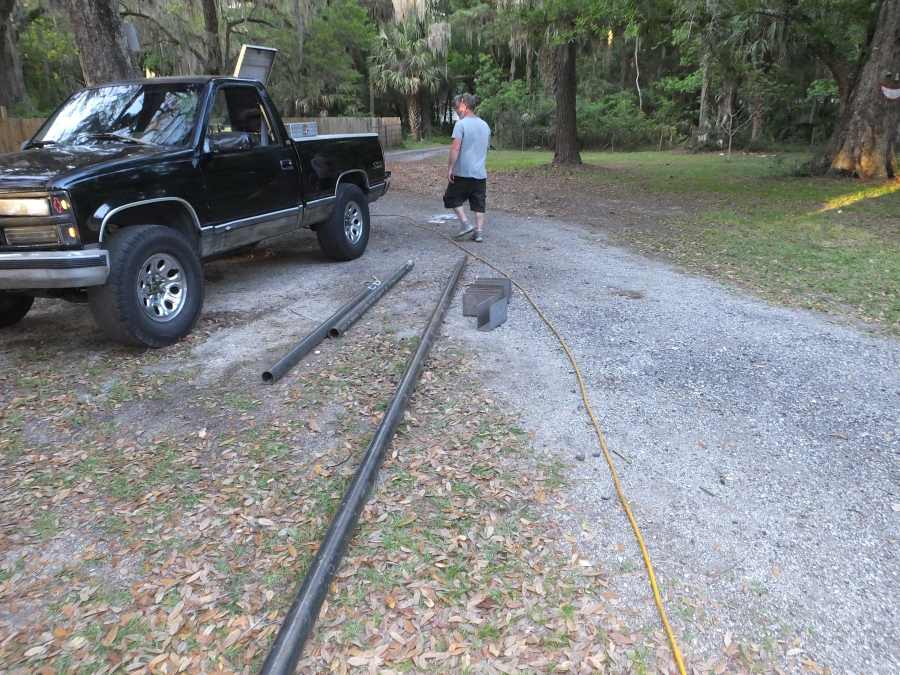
point(470, 100)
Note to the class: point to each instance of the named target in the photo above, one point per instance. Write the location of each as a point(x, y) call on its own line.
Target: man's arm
point(454, 155)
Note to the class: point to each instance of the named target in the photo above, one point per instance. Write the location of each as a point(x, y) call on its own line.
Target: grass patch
point(822, 243)
point(46, 525)
point(426, 143)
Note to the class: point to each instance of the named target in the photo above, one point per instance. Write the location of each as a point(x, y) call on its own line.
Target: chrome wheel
point(353, 222)
point(161, 288)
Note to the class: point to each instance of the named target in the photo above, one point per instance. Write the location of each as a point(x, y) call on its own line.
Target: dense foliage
point(650, 73)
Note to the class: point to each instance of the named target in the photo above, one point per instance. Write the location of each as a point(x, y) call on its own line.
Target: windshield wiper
point(109, 136)
point(39, 144)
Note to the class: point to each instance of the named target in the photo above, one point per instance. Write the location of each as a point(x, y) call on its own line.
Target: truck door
point(251, 173)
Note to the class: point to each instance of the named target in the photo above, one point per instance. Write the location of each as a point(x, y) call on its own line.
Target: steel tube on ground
point(297, 626)
point(308, 343)
point(340, 327)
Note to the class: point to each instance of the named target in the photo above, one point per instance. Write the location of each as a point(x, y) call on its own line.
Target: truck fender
point(172, 212)
point(356, 176)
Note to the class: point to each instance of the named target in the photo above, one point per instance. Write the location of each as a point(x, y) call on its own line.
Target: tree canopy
point(561, 73)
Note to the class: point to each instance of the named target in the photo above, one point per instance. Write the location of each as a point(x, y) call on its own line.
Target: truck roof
point(177, 79)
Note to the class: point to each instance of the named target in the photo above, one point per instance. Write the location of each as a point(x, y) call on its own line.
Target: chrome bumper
point(378, 190)
point(53, 269)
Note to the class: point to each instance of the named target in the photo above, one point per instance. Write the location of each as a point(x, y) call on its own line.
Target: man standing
point(466, 172)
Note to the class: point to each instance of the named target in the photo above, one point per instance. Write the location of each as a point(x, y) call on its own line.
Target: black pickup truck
point(128, 186)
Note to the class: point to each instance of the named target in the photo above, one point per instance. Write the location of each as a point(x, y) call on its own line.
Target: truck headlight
point(25, 207)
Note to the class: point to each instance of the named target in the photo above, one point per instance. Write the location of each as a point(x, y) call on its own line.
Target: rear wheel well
point(357, 178)
point(167, 214)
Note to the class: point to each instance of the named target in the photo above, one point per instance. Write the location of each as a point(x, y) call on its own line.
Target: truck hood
point(54, 166)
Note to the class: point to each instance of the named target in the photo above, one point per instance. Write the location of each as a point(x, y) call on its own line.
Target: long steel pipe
point(340, 327)
point(308, 343)
point(297, 626)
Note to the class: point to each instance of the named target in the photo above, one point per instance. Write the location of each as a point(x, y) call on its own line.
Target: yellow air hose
point(601, 439)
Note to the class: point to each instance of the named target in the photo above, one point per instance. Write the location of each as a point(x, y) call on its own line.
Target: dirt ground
point(159, 508)
point(542, 192)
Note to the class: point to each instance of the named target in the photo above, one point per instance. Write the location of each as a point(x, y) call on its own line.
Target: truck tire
point(154, 292)
point(345, 235)
point(13, 308)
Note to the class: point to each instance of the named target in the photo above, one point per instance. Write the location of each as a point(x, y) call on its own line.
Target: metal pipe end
point(268, 377)
point(334, 332)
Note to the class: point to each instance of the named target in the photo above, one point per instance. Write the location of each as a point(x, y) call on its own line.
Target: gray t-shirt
point(475, 135)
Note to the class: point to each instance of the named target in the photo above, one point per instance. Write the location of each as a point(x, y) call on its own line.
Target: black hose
point(298, 624)
point(340, 327)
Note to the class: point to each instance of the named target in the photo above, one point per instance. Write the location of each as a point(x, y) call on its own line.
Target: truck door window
point(238, 120)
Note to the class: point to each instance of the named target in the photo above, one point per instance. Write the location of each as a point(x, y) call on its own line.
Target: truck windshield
point(153, 114)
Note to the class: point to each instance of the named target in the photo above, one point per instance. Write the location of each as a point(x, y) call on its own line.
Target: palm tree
point(406, 61)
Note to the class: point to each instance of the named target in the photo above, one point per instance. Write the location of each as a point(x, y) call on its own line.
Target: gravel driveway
point(763, 442)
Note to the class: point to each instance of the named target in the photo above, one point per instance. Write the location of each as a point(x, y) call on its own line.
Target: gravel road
point(763, 442)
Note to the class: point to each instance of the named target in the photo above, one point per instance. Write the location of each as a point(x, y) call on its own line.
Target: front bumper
point(53, 269)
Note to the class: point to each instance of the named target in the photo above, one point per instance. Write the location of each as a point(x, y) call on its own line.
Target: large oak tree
point(12, 85)
point(214, 61)
point(864, 139)
point(101, 40)
point(567, 25)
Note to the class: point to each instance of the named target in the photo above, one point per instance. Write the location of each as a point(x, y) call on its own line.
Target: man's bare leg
point(464, 226)
point(479, 227)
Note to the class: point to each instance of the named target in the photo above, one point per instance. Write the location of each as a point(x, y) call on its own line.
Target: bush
point(615, 121)
point(518, 118)
point(523, 119)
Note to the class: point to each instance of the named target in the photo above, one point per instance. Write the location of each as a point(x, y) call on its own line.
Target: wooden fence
point(13, 130)
point(388, 128)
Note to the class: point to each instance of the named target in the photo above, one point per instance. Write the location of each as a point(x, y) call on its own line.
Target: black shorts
point(461, 190)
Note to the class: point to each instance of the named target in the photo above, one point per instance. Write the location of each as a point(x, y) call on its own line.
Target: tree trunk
point(214, 63)
point(842, 74)
point(703, 125)
point(12, 83)
point(565, 82)
point(529, 64)
point(725, 117)
point(757, 117)
point(863, 142)
point(300, 21)
point(101, 42)
point(427, 108)
point(637, 75)
point(414, 116)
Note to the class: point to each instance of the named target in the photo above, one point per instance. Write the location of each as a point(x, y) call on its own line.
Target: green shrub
point(518, 118)
point(614, 121)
